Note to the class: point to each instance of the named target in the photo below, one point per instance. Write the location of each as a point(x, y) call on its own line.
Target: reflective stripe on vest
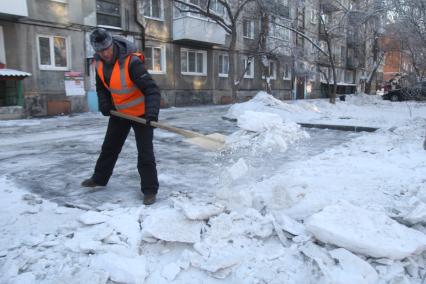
point(126, 96)
point(130, 104)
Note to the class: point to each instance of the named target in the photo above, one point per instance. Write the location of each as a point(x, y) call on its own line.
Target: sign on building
point(74, 83)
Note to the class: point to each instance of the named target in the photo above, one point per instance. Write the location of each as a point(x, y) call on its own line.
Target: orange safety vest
point(125, 94)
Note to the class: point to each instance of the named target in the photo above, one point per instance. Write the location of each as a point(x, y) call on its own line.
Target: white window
point(108, 13)
point(313, 16)
point(248, 28)
point(272, 70)
point(155, 59)
point(53, 52)
point(217, 7)
point(193, 62)
point(349, 76)
point(287, 72)
point(223, 65)
point(248, 65)
point(153, 9)
point(60, 1)
point(2, 50)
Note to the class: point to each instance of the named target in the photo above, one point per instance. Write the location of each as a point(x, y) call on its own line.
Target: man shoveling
point(123, 84)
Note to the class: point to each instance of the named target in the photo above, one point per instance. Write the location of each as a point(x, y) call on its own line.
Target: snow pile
point(264, 102)
point(362, 231)
point(362, 99)
point(264, 132)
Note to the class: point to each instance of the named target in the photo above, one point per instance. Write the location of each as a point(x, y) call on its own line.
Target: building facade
point(187, 54)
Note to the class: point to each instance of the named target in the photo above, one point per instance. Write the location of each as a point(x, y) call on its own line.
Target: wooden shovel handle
point(180, 131)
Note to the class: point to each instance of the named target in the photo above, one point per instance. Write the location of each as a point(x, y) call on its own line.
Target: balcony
point(18, 8)
point(191, 29)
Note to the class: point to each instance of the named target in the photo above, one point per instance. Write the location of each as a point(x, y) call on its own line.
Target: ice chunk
point(353, 269)
point(93, 218)
point(23, 278)
point(362, 231)
point(199, 211)
point(349, 268)
point(170, 271)
point(259, 121)
point(264, 132)
point(290, 225)
point(171, 225)
point(237, 170)
point(131, 270)
point(215, 261)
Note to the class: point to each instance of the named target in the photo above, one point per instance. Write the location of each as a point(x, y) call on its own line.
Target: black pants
point(116, 135)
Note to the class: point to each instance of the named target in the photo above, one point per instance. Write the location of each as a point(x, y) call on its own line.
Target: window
point(223, 65)
point(313, 16)
point(276, 29)
point(217, 7)
point(153, 9)
point(349, 76)
point(2, 50)
point(287, 72)
point(53, 52)
point(155, 60)
point(193, 62)
point(248, 65)
point(343, 54)
point(108, 13)
point(248, 28)
point(9, 92)
point(272, 71)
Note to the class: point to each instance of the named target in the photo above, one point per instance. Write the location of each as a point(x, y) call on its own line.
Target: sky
point(278, 204)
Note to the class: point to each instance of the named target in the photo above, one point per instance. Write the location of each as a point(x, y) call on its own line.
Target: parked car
point(416, 92)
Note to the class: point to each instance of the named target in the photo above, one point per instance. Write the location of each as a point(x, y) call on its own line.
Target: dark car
point(416, 92)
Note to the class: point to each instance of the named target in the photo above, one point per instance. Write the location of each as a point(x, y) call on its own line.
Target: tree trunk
point(232, 64)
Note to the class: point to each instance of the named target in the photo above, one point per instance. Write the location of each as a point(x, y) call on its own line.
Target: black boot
point(89, 183)
point(149, 199)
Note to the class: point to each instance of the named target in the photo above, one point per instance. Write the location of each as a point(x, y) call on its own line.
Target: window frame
point(2, 47)
point(163, 59)
point(220, 74)
point(251, 31)
point(187, 50)
point(52, 66)
point(288, 67)
point(161, 18)
point(109, 14)
point(246, 59)
point(274, 73)
point(313, 16)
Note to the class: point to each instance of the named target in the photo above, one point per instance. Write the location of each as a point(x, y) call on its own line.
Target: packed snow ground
point(352, 213)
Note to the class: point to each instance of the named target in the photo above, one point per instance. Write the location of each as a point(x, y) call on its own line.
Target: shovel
point(211, 142)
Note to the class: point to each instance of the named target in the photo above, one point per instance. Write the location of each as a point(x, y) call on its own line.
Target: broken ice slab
point(366, 232)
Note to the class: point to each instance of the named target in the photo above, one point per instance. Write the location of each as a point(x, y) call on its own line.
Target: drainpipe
point(140, 20)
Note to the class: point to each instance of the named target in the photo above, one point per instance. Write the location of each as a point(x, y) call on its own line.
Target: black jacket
point(138, 74)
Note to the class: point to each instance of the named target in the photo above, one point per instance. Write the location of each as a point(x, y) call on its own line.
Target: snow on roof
point(13, 73)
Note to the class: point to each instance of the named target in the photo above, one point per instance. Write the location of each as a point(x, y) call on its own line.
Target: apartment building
point(187, 54)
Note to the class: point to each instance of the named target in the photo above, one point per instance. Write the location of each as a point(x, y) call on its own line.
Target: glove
point(105, 109)
point(149, 118)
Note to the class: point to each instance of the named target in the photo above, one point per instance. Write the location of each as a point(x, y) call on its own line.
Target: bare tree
point(233, 10)
point(409, 22)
